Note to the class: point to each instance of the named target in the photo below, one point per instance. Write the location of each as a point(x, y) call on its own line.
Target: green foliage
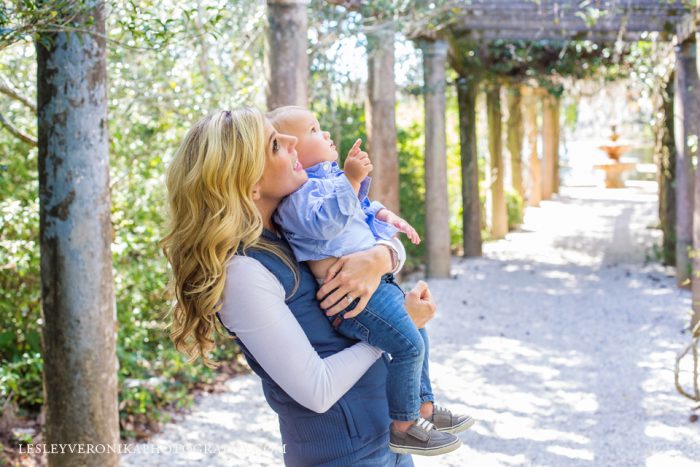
point(20, 381)
point(22, 20)
point(515, 208)
point(410, 143)
point(542, 61)
point(157, 89)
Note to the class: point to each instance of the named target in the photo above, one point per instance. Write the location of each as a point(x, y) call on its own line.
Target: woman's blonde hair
point(212, 216)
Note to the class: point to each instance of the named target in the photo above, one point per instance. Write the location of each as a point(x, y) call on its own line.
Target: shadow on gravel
point(552, 358)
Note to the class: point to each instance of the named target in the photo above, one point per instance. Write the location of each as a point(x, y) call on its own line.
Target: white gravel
point(560, 341)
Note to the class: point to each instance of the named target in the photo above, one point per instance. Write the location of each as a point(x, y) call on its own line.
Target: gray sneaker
point(423, 439)
point(444, 420)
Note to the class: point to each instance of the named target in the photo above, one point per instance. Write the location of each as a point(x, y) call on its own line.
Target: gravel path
point(560, 341)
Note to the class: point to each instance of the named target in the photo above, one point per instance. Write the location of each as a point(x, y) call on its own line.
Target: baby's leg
point(385, 323)
point(426, 389)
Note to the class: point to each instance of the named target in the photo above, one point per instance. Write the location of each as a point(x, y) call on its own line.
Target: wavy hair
point(212, 216)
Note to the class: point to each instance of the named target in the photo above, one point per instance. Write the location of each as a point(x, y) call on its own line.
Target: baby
point(330, 216)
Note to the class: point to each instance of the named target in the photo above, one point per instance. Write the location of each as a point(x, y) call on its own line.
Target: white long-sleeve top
point(254, 309)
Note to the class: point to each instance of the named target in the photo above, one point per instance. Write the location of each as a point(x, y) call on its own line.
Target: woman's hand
point(420, 304)
point(358, 275)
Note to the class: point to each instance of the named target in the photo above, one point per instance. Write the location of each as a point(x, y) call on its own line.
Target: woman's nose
point(292, 141)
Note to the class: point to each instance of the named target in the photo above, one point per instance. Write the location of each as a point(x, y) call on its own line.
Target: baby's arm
point(390, 218)
point(320, 209)
point(357, 166)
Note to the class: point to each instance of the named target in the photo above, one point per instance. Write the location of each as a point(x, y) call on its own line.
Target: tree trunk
point(437, 229)
point(287, 60)
point(381, 118)
point(666, 176)
point(471, 205)
point(550, 145)
point(684, 166)
point(535, 171)
point(499, 214)
point(515, 131)
point(203, 56)
point(78, 334)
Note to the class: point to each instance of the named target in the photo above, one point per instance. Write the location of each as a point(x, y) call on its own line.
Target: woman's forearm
point(314, 382)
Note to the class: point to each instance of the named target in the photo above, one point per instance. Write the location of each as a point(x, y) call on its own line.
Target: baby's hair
point(278, 116)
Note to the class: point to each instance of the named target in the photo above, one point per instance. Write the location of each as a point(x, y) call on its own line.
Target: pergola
point(482, 21)
point(594, 20)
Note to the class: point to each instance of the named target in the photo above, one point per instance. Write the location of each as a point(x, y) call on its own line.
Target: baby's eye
point(275, 145)
point(313, 129)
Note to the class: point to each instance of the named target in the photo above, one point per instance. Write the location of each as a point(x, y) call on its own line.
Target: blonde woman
point(231, 264)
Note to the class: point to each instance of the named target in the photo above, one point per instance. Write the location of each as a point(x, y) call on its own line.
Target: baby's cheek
point(305, 159)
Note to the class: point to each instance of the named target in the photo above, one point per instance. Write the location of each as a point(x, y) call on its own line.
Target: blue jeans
point(383, 457)
point(385, 323)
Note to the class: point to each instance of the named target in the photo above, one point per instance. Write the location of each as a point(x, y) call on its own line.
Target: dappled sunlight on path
point(560, 341)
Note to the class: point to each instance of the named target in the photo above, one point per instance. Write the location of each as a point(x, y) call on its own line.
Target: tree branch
point(17, 132)
point(8, 90)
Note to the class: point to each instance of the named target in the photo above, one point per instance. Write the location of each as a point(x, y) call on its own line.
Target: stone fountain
point(614, 168)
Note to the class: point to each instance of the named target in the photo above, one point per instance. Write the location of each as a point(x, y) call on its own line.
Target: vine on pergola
point(543, 62)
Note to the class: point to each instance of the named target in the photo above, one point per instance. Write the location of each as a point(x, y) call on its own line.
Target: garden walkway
point(560, 341)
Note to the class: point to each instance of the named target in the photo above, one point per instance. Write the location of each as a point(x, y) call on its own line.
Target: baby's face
point(314, 145)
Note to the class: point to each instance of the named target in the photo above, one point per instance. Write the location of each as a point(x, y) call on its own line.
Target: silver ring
point(349, 298)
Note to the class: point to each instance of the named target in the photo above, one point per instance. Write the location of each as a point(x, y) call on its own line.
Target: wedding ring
point(349, 298)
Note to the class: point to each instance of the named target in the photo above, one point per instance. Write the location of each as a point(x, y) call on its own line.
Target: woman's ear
point(256, 191)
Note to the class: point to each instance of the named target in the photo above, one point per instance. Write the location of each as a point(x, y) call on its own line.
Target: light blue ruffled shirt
point(325, 218)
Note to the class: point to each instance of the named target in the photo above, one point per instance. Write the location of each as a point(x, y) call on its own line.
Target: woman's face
point(283, 173)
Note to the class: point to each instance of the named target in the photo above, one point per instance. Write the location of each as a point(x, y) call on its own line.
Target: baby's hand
point(357, 164)
point(403, 226)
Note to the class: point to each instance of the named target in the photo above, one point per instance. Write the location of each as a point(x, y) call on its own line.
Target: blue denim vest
point(356, 425)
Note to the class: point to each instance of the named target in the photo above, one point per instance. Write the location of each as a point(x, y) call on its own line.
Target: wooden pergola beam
point(515, 20)
point(565, 7)
point(544, 34)
point(602, 21)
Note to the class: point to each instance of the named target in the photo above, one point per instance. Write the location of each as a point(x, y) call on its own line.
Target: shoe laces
point(439, 409)
point(424, 424)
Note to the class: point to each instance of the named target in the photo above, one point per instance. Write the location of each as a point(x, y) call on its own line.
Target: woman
point(224, 184)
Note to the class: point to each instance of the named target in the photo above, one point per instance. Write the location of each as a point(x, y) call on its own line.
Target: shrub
point(516, 212)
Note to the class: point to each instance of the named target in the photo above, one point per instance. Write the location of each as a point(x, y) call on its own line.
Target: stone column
point(535, 172)
point(515, 133)
point(471, 206)
point(287, 59)
point(499, 213)
point(380, 117)
point(550, 145)
point(557, 139)
point(693, 95)
point(685, 82)
point(437, 228)
point(666, 176)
